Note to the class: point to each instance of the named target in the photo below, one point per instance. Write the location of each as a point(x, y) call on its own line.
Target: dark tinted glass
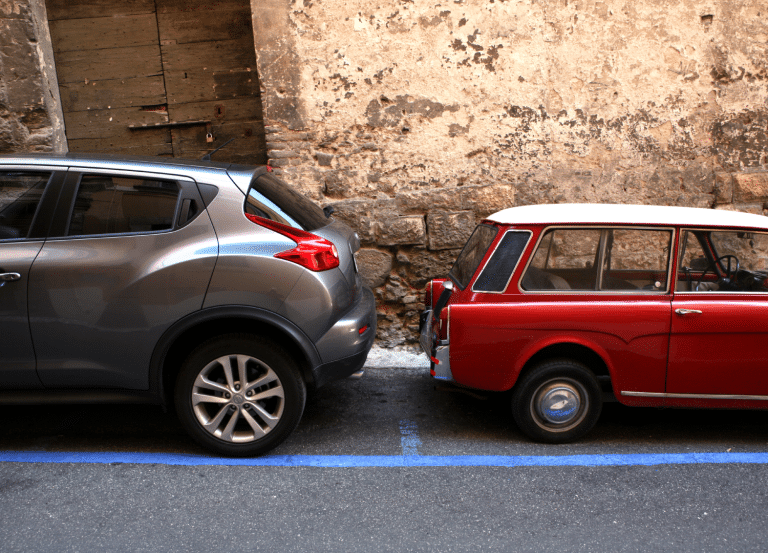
point(498, 270)
point(472, 254)
point(113, 205)
point(271, 198)
point(20, 194)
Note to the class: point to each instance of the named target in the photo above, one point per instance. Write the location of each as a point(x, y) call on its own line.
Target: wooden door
point(159, 77)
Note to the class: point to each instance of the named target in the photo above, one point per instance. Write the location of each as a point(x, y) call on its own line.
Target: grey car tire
point(240, 395)
point(556, 402)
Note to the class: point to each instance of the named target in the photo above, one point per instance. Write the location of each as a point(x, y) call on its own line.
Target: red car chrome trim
point(695, 396)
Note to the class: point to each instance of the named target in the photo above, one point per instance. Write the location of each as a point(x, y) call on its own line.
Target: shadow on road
point(363, 417)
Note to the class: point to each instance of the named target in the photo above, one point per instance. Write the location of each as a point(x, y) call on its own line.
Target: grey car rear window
point(271, 198)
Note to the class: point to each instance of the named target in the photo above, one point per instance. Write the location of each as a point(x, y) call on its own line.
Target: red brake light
point(311, 251)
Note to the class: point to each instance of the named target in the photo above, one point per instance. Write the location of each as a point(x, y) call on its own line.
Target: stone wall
point(416, 119)
point(30, 110)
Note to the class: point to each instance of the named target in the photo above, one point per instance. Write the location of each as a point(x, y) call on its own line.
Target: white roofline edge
point(625, 214)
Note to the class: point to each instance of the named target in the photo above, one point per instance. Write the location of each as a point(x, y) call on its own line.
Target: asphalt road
point(391, 414)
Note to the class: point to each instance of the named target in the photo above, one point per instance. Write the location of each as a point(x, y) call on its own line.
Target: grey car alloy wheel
point(238, 398)
point(240, 395)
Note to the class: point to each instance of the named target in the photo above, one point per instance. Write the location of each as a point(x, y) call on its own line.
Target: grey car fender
point(219, 315)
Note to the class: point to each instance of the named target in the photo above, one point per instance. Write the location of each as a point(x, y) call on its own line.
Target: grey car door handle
point(687, 311)
point(7, 277)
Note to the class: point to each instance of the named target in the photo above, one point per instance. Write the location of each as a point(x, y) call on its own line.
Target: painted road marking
point(328, 461)
point(409, 439)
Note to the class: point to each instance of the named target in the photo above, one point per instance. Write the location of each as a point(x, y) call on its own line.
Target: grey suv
point(213, 287)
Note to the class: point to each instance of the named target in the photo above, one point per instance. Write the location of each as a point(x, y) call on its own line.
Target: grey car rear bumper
point(354, 332)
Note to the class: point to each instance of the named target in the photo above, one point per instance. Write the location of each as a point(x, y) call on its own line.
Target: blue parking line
point(388, 461)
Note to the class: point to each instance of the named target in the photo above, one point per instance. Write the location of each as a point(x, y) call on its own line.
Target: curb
point(396, 358)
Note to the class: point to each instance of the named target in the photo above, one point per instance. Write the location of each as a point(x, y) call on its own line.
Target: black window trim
point(499, 238)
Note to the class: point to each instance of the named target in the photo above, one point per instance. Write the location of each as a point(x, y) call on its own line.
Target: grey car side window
point(108, 204)
point(20, 194)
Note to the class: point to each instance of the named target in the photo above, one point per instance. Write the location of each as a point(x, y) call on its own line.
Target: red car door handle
point(687, 311)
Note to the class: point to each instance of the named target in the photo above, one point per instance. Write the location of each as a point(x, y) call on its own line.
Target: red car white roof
point(588, 214)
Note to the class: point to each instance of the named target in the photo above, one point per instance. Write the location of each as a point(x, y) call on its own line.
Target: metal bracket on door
point(205, 122)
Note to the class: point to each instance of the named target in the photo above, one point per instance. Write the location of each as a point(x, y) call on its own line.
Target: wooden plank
point(183, 87)
point(224, 156)
point(67, 9)
point(219, 55)
point(205, 25)
point(236, 84)
point(113, 93)
point(165, 6)
point(111, 122)
point(152, 143)
point(238, 109)
point(110, 63)
point(249, 146)
point(103, 32)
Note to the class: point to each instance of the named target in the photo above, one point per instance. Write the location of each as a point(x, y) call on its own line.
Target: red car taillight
point(311, 251)
point(441, 327)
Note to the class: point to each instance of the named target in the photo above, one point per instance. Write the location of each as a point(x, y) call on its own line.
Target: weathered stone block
point(401, 231)
point(281, 154)
point(358, 215)
point(323, 159)
point(449, 230)
point(19, 64)
point(750, 187)
point(482, 200)
point(723, 188)
point(428, 265)
point(754, 208)
point(374, 266)
point(10, 140)
point(335, 186)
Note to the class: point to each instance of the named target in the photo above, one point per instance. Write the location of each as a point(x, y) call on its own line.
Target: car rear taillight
point(441, 328)
point(311, 251)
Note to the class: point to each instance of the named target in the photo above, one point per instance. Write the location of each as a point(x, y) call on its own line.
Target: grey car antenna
point(207, 157)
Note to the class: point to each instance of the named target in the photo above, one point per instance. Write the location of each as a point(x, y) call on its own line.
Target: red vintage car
point(566, 304)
